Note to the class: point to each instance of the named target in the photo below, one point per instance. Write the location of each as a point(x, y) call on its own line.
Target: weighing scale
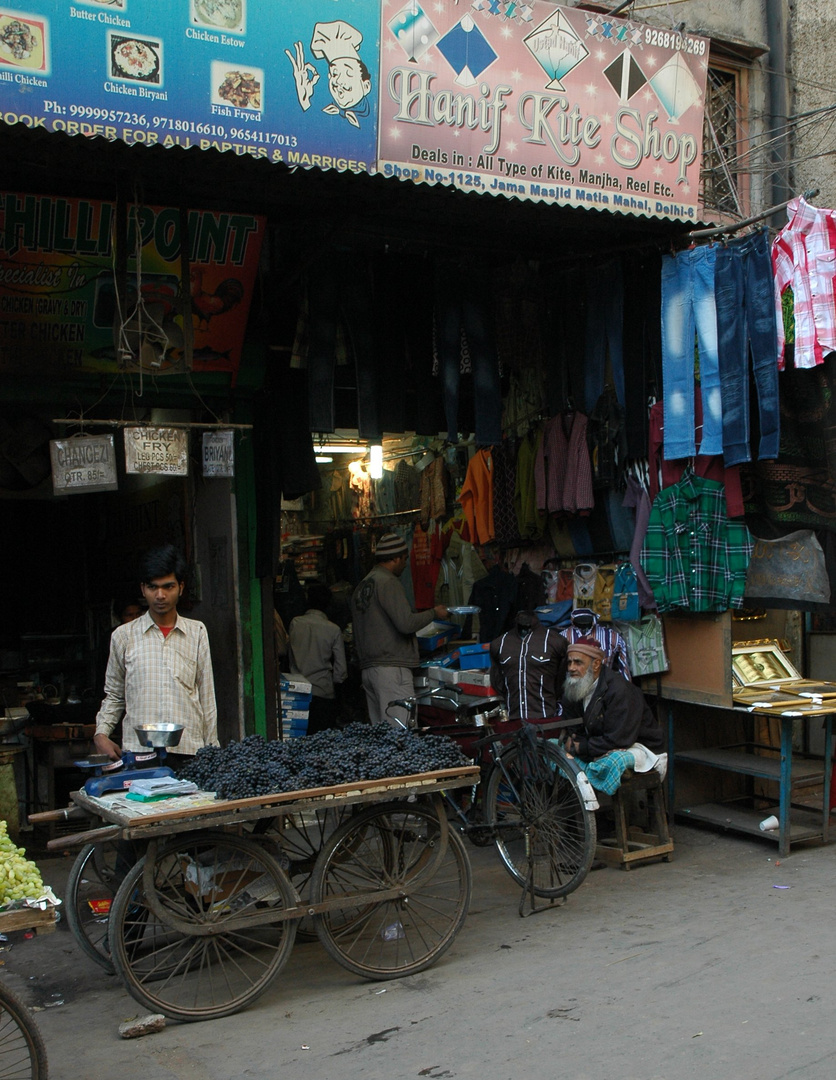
point(118, 775)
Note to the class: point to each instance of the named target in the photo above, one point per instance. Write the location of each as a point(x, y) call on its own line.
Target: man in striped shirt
point(160, 667)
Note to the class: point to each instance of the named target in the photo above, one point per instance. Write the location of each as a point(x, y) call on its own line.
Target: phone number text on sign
point(157, 450)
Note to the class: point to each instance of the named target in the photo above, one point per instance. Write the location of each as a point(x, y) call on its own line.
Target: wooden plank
point(42, 922)
point(431, 781)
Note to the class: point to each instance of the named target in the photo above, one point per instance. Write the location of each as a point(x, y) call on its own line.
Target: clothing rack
point(704, 234)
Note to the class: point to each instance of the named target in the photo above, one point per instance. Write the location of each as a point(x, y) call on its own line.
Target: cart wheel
point(91, 886)
point(22, 1050)
point(187, 951)
point(301, 837)
point(542, 824)
point(395, 845)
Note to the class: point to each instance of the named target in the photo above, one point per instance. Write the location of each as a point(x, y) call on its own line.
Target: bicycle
point(533, 800)
point(22, 1050)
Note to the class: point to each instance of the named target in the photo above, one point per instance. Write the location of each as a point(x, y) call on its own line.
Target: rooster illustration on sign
point(207, 305)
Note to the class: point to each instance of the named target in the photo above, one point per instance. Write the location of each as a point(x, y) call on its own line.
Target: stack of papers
point(153, 787)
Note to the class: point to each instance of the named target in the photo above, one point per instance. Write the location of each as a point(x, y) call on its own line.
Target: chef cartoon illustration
point(349, 80)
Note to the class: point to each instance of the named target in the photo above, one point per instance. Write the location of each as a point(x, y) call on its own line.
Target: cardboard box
point(292, 684)
point(295, 714)
point(434, 635)
point(478, 690)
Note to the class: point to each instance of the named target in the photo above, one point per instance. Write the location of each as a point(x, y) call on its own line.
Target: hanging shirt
point(476, 497)
point(527, 671)
point(563, 470)
point(610, 640)
point(694, 556)
point(804, 258)
point(530, 519)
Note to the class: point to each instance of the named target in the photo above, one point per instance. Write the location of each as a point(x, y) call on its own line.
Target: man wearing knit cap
point(385, 628)
point(614, 712)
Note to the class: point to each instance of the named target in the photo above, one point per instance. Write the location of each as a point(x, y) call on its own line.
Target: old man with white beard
point(613, 712)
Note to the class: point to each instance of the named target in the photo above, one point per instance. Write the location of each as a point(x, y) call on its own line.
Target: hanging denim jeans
point(746, 318)
point(462, 304)
point(604, 329)
point(688, 308)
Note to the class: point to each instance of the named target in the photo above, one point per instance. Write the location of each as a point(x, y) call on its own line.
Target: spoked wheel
point(202, 941)
point(302, 837)
point(543, 827)
point(94, 878)
point(22, 1050)
point(401, 847)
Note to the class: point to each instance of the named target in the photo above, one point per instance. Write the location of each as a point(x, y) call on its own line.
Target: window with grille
point(723, 138)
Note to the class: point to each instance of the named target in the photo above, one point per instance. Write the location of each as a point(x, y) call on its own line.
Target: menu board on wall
point(59, 303)
point(282, 81)
point(519, 99)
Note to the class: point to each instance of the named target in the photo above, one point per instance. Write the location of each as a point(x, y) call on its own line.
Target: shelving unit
point(308, 555)
point(796, 822)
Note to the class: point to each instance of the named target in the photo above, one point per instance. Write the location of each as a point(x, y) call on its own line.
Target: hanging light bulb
point(375, 461)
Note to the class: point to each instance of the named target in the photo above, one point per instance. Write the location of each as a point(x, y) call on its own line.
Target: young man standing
point(160, 668)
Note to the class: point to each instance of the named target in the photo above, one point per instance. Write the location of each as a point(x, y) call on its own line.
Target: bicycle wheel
point(395, 845)
point(94, 878)
point(22, 1050)
point(186, 950)
point(301, 837)
point(542, 826)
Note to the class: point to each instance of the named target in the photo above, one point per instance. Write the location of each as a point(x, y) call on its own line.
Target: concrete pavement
point(700, 968)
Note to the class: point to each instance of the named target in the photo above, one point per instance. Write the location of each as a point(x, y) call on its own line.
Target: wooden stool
point(631, 843)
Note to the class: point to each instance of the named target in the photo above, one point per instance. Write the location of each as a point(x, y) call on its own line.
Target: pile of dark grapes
point(255, 767)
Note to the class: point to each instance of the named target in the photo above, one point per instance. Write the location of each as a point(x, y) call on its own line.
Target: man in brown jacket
point(385, 628)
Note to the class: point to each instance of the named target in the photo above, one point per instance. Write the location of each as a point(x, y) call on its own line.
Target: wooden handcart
point(196, 902)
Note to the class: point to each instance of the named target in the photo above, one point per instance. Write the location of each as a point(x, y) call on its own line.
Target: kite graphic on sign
point(556, 48)
point(415, 32)
point(625, 76)
point(675, 87)
point(616, 31)
point(467, 51)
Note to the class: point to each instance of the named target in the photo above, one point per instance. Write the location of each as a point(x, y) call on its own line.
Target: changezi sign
point(83, 463)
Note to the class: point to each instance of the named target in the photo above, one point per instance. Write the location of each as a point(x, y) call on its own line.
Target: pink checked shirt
point(804, 257)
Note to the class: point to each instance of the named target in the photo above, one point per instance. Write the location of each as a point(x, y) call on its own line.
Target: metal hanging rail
point(704, 234)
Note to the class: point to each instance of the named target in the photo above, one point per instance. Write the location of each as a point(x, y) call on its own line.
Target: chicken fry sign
point(59, 298)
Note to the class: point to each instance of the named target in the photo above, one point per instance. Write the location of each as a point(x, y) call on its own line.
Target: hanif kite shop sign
point(59, 308)
point(543, 102)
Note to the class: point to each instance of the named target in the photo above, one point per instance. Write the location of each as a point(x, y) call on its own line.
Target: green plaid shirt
point(695, 557)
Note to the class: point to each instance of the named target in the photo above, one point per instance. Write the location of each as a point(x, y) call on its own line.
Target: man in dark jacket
point(614, 712)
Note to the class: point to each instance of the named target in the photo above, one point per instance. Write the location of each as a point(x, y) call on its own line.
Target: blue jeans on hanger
point(460, 307)
point(604, 327)
point(688, 308)
point(746, 318)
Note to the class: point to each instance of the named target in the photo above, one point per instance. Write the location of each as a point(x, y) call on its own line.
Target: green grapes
point(20, 878)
